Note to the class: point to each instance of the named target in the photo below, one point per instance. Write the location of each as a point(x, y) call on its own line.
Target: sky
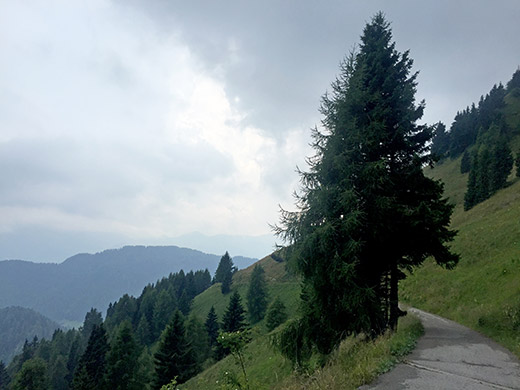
point(143, 122)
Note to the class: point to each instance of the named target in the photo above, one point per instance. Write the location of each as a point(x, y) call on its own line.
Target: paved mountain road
point(451, 356)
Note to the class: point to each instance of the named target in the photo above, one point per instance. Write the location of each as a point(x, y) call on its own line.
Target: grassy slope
point(279, 281)
point(264, 366)
point(355, 363)
point(483, 292)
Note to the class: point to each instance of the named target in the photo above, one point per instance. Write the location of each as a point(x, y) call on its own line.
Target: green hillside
point(280, 284)
point(483, 291)
point(356, 361)
point(265, 366)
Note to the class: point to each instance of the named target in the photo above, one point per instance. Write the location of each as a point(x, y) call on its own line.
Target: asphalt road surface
point(451, 356)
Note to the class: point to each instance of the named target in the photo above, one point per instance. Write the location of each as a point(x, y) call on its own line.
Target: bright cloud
point(110, 125)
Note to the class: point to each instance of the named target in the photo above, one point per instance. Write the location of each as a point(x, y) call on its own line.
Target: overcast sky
point(126, 122)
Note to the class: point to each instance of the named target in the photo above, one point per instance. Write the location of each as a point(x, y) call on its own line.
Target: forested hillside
point(134, 335)
point(483, 291)
point(65, 292)
point(17, 325)
point(131, 326)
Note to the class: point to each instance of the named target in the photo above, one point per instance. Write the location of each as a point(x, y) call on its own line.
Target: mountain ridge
point(94, 280)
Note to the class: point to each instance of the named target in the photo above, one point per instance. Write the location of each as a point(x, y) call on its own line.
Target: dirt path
point(451, 356)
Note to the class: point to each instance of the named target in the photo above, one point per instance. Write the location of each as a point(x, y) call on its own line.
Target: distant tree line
point(481, 134)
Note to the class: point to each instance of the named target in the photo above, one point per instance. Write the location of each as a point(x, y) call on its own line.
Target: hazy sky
point(137, 121)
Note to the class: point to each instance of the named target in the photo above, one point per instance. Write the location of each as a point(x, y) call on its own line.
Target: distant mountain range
point(66, 291)
point(18, 324)
point(48, 245)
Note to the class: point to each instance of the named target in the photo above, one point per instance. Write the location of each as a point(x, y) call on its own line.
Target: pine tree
point(122, 361)
point(174, 357)
point(212, 326)
point(257, 295)
point(441, 141)
point(366, 211)
point(224, 273)
point(276, 314)
point(232, 321)
point(502, 163)
point(483, 175)
point(92, 319)
point(234, 317)
point(90, 373)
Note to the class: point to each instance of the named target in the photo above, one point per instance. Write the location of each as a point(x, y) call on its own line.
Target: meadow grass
point(358, 361)
point(483, 291)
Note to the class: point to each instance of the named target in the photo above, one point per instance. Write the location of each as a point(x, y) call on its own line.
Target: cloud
point(155, 119)
point(112, 126)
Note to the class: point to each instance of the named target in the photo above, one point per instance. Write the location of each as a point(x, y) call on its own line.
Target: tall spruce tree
point(440, 141)
point(483, 175)
point(122, 361)
point(174, 357)
point(366, 211)
point(501, 165)
point(212, 326)
point(90, 373)
point(93, 318)
point(232, 321)
point(257, 295)
point(224, 273)
point(234, 317)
